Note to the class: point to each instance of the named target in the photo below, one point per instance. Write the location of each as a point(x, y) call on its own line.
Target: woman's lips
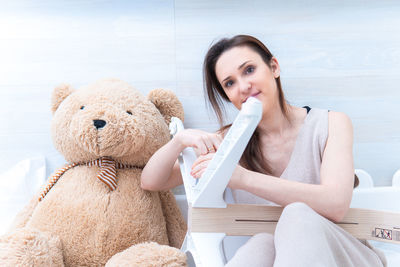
point(253, 95)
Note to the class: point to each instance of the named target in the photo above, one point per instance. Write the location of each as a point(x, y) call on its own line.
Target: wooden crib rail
point(243, 219)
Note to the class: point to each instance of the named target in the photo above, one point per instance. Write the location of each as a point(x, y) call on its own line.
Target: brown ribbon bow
point(108, 173)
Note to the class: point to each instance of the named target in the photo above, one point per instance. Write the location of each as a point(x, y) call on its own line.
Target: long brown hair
point(252, 157)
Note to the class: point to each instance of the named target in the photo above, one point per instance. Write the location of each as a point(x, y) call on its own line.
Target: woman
point(298, 158)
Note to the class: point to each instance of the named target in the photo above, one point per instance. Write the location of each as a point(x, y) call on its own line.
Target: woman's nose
point(244, 86)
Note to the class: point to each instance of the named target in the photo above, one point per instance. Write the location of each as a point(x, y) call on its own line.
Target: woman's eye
point(82, 107)
point(249, 69)
point(129, 112)
point(228, 83)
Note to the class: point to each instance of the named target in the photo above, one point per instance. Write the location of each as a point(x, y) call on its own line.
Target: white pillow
point(17, 187)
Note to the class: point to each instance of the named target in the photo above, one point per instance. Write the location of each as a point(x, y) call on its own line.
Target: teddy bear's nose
point(99, 123)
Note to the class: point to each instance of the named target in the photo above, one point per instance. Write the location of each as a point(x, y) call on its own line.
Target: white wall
point(340, 55)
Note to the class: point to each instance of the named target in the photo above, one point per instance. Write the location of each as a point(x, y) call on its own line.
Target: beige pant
point(305, 238)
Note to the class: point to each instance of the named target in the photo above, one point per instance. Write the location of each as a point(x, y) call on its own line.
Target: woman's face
point(242, 73)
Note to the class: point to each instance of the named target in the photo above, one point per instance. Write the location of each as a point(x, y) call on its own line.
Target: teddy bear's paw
point(28, 247)
point(149, 255)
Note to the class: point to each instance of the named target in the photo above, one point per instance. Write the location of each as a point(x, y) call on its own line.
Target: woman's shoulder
point(339, 119)
point(340, 127)
point(333, 117)
point(324, 124)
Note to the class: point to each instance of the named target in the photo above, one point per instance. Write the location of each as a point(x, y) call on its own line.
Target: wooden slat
point(241, 219)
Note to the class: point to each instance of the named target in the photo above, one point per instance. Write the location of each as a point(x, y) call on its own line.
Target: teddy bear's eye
point(129, 112)
point(82, 107)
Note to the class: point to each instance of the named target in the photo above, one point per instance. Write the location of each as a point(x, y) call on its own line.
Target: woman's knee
point(300, 220)
point(297, 211)
point(300, 230)
point(263, 239)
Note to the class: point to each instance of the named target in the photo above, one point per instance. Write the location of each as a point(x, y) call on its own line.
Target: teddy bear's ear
point(167, 103)
point(59, 94)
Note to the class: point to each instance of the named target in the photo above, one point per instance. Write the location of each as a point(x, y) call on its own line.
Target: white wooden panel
point(45, 43)
point(343, 56)
point(48, 42)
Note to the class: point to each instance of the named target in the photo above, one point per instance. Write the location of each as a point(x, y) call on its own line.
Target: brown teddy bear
point(94, 208)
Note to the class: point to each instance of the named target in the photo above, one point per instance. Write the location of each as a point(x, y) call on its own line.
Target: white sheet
point(17, 186)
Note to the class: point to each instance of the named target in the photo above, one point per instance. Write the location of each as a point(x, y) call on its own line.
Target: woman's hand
point(203, 142)
point(200, 166)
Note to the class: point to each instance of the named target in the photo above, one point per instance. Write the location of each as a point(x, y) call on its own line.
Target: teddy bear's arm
point(176, 225)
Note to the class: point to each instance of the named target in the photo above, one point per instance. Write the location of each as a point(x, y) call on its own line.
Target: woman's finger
point(217, 138)
point(216, 141)
point(200, 146)
point(208, 142)
point(202, 141)
point(202, 158)
point(199, 167)
point(199, 173)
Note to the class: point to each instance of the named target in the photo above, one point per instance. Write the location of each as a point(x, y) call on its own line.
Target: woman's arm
point(162, 170)
point(332, 197)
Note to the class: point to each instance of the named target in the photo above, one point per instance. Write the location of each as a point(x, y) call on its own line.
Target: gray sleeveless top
point(305, 162)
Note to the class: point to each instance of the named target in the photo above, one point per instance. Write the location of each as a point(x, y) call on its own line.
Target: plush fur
point(80, 222)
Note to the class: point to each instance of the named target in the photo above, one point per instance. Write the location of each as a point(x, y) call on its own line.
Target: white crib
point(209, 244)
